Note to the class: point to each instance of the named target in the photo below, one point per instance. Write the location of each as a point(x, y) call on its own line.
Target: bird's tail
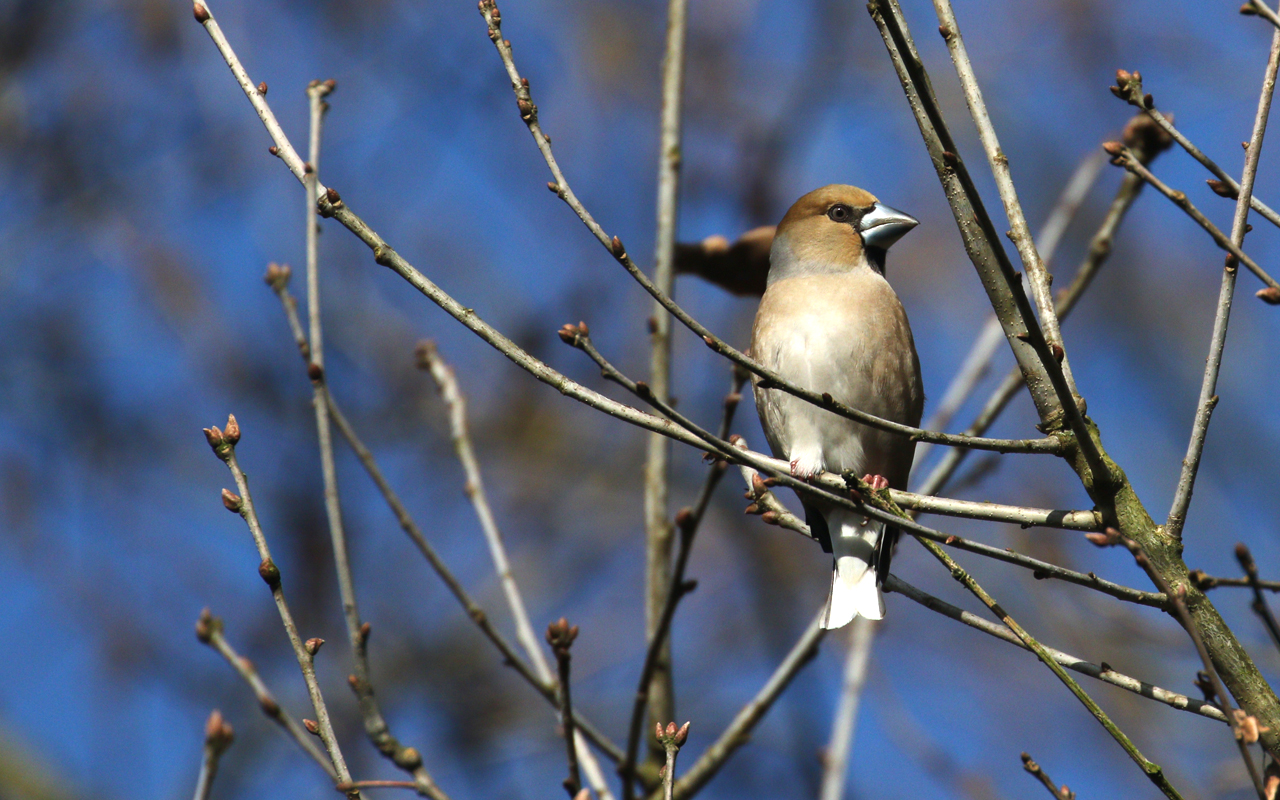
point(854, 588)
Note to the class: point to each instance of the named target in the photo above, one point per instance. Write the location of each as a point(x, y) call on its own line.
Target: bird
point(830, 322)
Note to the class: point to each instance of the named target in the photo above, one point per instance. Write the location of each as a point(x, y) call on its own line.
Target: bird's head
point(835, 229)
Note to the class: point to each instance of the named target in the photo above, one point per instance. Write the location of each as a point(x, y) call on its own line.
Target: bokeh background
point(140, 208)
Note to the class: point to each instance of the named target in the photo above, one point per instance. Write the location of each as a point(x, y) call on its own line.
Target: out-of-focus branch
point(218, 736)
point(741, 267)
point(224, 447)
point(1259, 604)
point(657, 488)
point(835, 761)
point(1019, 232)
point(687, 522)
point(1226, 294)
point(560, 636)
point(428, 358)
point(209, 631)
point(1035, 770)
point(739, 729)
point(278, 279)
point(1121, 156)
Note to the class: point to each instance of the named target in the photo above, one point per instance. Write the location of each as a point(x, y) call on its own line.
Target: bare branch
point(1130, 90)
point(1102, 672)
point(1063, 793)
point(1020, 232)
point(835, 761)
point(209, 629)
point(218, 736)
point(739, 729)
point(1218, 340)
point(224, 447)
point(657, 524)
point(1121, 156)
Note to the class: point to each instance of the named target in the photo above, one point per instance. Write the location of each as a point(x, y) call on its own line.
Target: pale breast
point(847, 335)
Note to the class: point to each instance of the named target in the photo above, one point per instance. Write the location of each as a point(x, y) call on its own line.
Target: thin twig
point(977, 362)
point(1152, 770)
point(1030, 765)
point(1259, 604)
point(560, 636)
point(1129, 88)
point(659, 534)
point(739, 729)
point(1177, 601)
point(218, 736)
point(209, 629)
point(1102, 672)
point(1039, 361)
point(407, 758)
point(428, 358)
point(278, 279)
point(1264, 11)
point(529, 113)
point(378, 785)
point(1019, 232)
point(670, 740)
point(1205, 582)
point(687, 523)
point(1239, 226)
point(835, 760)
point(224, 447)
point(1121, 156)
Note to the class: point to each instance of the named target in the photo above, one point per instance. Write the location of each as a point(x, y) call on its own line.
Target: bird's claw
point(876, 482)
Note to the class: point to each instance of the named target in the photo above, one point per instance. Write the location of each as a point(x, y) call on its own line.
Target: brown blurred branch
point(429, 359)
point(687, 523)
point(209, 629)
point(1030, 765)
point(1259, 604)
point(218, 736)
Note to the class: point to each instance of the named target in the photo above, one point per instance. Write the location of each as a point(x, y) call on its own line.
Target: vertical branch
point(1019, 232)
point(1259, 604)
point(217, 738)
point(836, 763)
point(1226, 293)
point(375, 725)
point(658, 528)
point(224, 447)
point(428, 358)
point(560, 636)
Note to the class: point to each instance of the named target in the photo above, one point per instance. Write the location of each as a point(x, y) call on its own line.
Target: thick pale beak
point(882, 226)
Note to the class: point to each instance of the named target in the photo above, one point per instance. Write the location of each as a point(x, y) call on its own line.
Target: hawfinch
point(830, 322)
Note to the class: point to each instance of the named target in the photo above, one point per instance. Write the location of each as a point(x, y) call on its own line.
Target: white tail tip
point(853, 593)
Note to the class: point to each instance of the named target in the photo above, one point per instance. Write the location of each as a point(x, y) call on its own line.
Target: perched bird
point(830, 322)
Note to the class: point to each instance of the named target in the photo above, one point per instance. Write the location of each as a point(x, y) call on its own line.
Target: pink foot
point(876, 482)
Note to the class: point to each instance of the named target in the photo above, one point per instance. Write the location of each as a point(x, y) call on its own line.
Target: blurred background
point(140, 208)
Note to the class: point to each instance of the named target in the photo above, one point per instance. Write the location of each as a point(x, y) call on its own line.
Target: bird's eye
point(840, 213)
